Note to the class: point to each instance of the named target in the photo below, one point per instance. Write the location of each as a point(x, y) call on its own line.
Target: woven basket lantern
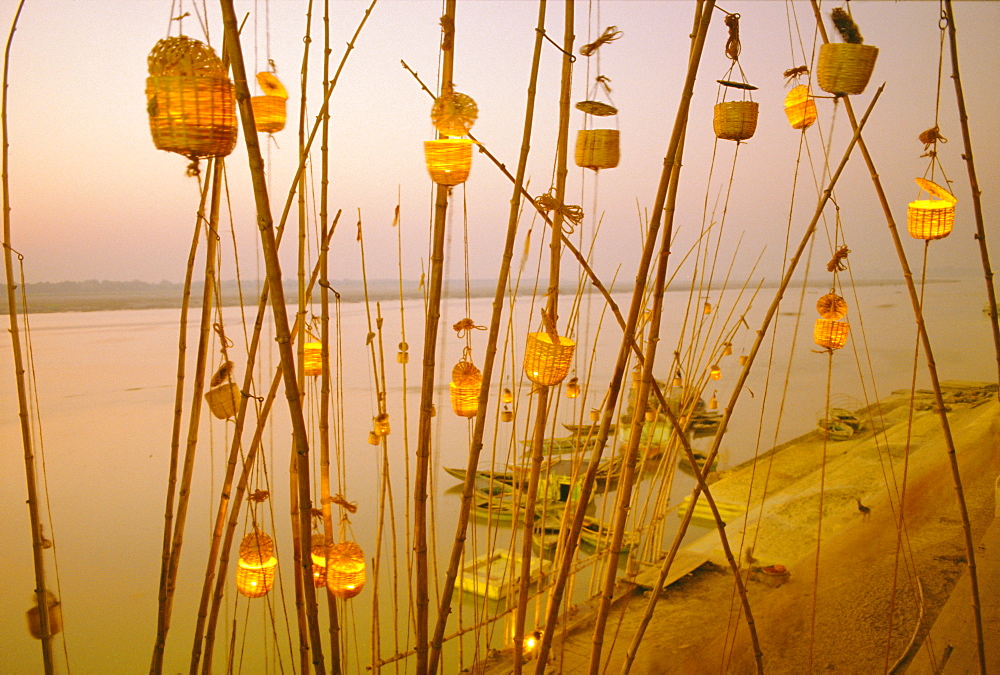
point(345, 570)
point(318, 555)
point(466, 380)
point(931, 218)
point(223, 400)
point(715, 373)
point(382, 427)
point(506, 415)
point(312, 363)
point(831, 306)
point(735, 120)
point(547, 361)
point(55, 617)
point(189, 99)
point(831, 334)
point(573, 388)
point(449, 160)
point(597, 149)
point(845, 68)
point(255, 580)
point(403, 355)
point(595, 415)
point(269, 109)
point(256, 547)
point(800, 108)
point(453, 114)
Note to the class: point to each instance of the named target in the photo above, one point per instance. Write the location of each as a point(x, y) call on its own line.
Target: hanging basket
point(449, 160)
point(735, 120)
point(931, 218)
point(831, 306)
point(256, 547)
point(597, 149)
point(845, 68)
point(831, 334)
point(453, 114)
point(318, 555)
point(800, 108)
point(189, 99)
point(255, 580)
point(547, 362)
point(224, 400)
point(465, 398)
point(269, 109)
point(55, 617)
point(312, 362)
point(345, 570)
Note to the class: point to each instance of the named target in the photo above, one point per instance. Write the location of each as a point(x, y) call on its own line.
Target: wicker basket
point(449, 160)
point(268, 113)
point(845, 68)
point(831, 306)
point(735, 120)
point(224, 400)
point(547, 362)
point(256, 547)
point(312, 361)
point(255, 580)
point(597, 149)
point(55, 617)
point(465, 398)
point(931, 218)
point(800, 108)
point(345, 570)
point(453, 114)
point(831, 334)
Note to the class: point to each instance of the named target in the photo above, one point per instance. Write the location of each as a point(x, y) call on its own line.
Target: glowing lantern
point(547, 358)
point(382, 427)
point(650, 415)
point(269, 109)
point(677, 379)
point(466, 381)
point(713, 403)
point(845, 68)
point(345, 570)
point(931, 218)
point(595, 415)
point(715, 373)
point(312, 363)
point(453, 114)
point(708, 307)
point(831, 306)
point(373, 438)
point(256, 547)
point(448, 160)
point(573, 388)
point(403, 356)
point(223, 400)
point(831, 334)
point(189, 99)
point(255, 580)
point(735, 120)
point(506, 415)
point(800, 108)
point(743, 359)
point(318, 555)
point(597, 148)
point(727, 348)
point(508, 395)
point(55, 616)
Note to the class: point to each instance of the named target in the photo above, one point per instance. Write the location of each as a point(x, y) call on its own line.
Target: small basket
point(449, 160)
point(735, 120)
point(845, 68)
point(931, 218)
point(597, 149)
point(254, 580)
point(453, 113)
point(256, 547)
point(345, 570)
point(224, 400)
point(800, 108)
point(547, 362)
point(465, 398)
point(268, 113)
point(831, 334)
point(55, 617)
point(312, 361)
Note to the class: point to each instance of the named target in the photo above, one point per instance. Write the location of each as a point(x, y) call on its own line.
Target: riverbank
point(860, 609)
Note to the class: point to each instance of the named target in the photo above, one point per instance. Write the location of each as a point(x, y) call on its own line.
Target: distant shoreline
point(98, 296)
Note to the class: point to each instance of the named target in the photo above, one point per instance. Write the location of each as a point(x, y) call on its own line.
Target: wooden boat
point(490, 575)
point(594, 533)
point(684, 465)
point(586, 429)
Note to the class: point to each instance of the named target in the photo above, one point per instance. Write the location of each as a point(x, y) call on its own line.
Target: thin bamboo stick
point(41, 594)
point(977, 202)
point(429, 363)
point(703, 17)
point(503, 275)
point(970, 549)
point(282, 335)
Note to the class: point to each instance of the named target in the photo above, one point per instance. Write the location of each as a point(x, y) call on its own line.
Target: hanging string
point(610, 34)
point(733, 46)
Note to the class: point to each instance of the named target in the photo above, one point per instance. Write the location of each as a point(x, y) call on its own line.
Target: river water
point(105, 391)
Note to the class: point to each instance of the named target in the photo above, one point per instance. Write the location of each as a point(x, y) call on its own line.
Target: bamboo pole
point(41, 594)
point(744, 374)
point(931, 365)
point(427, 382)
point(552, 311)
point(503, 275)
point(703, 17)
point(977, 202)
point(282, 335)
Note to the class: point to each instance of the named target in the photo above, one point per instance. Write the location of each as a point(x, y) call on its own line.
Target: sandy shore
point(863, 608)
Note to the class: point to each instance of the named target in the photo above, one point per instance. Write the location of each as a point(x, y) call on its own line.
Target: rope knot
point(932, 136)
point(837, 263)
point(465, 326)
point(339, 500)
point(571, 213)
point(610, 34)
point(733, 46)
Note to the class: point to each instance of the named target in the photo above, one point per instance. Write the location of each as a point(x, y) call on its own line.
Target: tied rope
point(340, 500)
point(930, 137)
point(447, 33)
point(570, 213)
point(793, 73)
point(733, 43)
point(610, 34)
point(837, 263)
point(465, 327)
